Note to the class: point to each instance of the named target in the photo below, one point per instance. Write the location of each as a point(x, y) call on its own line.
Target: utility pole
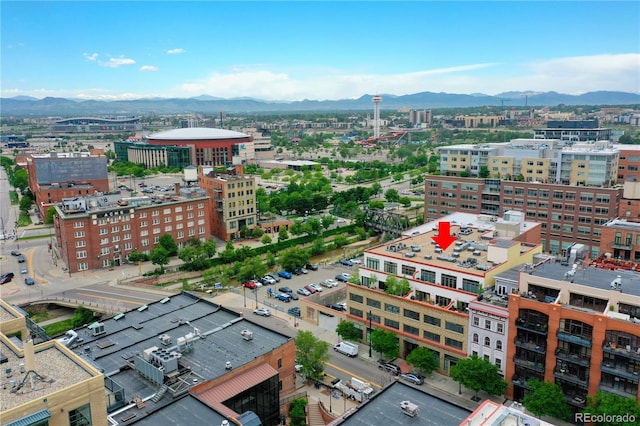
point(370, 317)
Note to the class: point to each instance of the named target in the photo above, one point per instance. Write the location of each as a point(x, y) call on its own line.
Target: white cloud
point(117, 62)
point(90, 56)
point(148, 68)
point(175, 51)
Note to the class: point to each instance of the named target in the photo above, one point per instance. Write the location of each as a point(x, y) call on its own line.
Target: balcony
point(573, 358)
point(520, 381)
point(564, 374)
point(619, 391)
point(537, 328)
point(531, 365)
point(614, 369)
point(622, 246)
point(578, 340)
point(541, 349)
point(627, 352)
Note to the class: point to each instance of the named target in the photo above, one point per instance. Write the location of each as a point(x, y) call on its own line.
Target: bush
point(297, 411)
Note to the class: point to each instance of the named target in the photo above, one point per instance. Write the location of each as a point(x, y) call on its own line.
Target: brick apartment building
point(233, 202)
point(101, 231)
point(567, 214)
point(443, 283)
point(55, 176)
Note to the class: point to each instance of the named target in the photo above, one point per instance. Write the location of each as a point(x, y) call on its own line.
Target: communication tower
point(376, 116)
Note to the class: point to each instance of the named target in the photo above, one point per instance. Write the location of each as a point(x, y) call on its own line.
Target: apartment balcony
point(520, 381)
point(541, 349)
point(573, 358)
point(564, 374)
point(531, 326)
point(627, 352)
point(531, 365)
point(619, 371)
point(578, 340)
point(622, 246)
point(619, 391)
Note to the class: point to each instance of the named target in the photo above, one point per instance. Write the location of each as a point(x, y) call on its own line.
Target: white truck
point(347, 348)
point(356, 389)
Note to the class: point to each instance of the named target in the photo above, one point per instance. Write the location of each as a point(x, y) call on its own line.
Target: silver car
point(412, 378)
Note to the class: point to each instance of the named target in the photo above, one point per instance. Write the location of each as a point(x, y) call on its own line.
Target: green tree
point(610, 405)
point(313, 226)
point(376, 189)
point(20, 179)
point(311, 353)
point(423, 359)
point(327, 221)
point(392, 195)
point(51, 211)
point(376, 204)
point(396, 286)
point(160, 257)
point(478, 374)
point(385, 342)
point(484, 172)
point(283, 235)
point(293, 258)
point(82, 316)
point(252, 268)
point(257, 232)
point(228, 255)
point(266, 239)
point(296, 228)
point(167, 242)
point(546, 399)
point(348, 331)
point(25, 203)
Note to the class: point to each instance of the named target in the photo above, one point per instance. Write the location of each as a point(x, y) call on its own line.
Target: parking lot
point(326, 296)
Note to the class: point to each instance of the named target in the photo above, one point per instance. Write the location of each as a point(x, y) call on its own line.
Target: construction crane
point(502, 101)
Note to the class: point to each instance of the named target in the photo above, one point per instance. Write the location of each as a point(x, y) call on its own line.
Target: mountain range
point(27, 106)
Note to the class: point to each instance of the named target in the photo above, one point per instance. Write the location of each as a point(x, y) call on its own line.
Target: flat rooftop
point(469, 254)
point(384, 409)
point(55, 371)
point(623, 224)
point(591, 276)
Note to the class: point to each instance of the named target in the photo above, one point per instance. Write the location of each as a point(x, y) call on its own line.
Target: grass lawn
point(13, 195)
point(24, 219)
point(59, 328)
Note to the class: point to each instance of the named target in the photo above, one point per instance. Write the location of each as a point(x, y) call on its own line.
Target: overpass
point(69, 302)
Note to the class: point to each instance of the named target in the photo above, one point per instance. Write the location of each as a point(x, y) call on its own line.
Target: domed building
point(210, 147)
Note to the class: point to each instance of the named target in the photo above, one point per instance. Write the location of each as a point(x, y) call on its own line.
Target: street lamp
point(369, 331)
point(244, 295)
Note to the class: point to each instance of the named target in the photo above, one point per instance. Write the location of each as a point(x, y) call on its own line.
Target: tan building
point(434, 313)
point(472, 121)
point(234, 202)
point(45, 383)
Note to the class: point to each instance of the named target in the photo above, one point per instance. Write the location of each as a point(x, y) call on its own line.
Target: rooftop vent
point(247, 334)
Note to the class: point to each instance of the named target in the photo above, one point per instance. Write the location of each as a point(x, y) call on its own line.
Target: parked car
point(21, 259)
point(24, 270)
point(343, 277)
point(346, 262)
point(294, 312)
point(285, 274)
point(312, 266)
point(356, 261)
point(250, 284)
point(262, 312)
point(29, 281)
point(330, 283)
point(297, 271)
point(267, 280)
point(316, 287)
point(293, 296)
point(390, 368)
point(6, 277)
point(310, 289)
point(285, 290)
point(336, 307)
point(303, 291)
point(15, 253)
point(412, 378)
point(274, 276)
point(284, 297)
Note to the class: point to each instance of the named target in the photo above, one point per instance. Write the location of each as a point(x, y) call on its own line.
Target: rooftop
point(472, 251)
point(54, 371)
point(623, 224)
point(490, 413)
point(384, 409)
point(197, 133)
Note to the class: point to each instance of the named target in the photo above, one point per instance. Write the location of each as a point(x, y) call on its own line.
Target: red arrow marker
point(444, 238)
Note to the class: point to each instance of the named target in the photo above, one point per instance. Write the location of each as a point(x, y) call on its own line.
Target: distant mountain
point(27, 106)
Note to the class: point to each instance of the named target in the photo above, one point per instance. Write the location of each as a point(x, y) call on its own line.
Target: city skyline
point(290, 51)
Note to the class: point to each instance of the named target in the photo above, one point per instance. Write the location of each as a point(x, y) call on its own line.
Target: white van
point(347, 348)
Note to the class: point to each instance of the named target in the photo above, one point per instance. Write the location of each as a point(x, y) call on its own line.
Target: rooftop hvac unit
point(247, 334)
point(165, 339)
point(96, 328)
point(409, 408)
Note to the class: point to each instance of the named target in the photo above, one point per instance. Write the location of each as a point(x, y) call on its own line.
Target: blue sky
point(315, 50)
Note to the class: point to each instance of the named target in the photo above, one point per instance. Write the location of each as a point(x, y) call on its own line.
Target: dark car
point(346, 262)
point(15, 253)
point(343, 277)
point(285, 290)
point(285, 274)
point(5, 278)
point(294, 312)
point(293, 296)
point(29, 281)
point(310, 289)
point(312, 266)
point(337, 307)
point(297, 271)
point(390, 368)
point(21, 259)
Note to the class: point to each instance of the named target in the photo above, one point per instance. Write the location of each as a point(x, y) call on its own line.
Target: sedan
point(285, 274)
point(250, 284)
point(264, 312)
point(29, 281)
point(316, 287)
point(303, 291)
point(337, 307)
point(275, 277)
point(285, 290)
point(412, 378)
point(312, 266)
point(15, 253)
point(21, 259)
point(330, 283)
point(346, 262)
point(284, 297)
point(310, 289)
point(24, 270)
point(343, 277)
